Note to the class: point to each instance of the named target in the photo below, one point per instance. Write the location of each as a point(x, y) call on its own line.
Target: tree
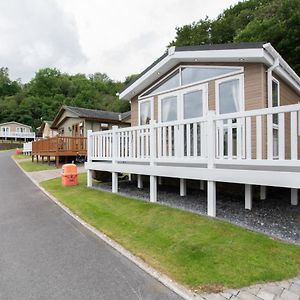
point(279, 23)
point(7, 86)
point(50, 89)
point(275, 21)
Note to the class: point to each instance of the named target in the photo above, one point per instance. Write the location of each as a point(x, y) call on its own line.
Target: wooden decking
point(59, 146)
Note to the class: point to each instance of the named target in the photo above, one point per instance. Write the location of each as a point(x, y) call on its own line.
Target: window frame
point(278, 91)
point(241, 79)
point(204, 89)
point(168, 95)
point(180, 101)
point(148, 99)
point(239, 69)
point(5, 129)
point(275, 125)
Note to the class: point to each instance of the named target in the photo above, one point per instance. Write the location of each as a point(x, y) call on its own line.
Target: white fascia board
point(220, 55)
point(282, 73)
point(233, 55)
point(284, 70)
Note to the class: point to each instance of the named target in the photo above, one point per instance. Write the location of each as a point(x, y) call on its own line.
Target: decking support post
point(89, 178)
point(202, 185)
point(153, 188)
point(160, 181)
point(139, 181)
point(114, 186)
point(57, 161)
point(211, 199)
point(211, 149)
point(32, 158)
point(248, 196)
point(294, 197)
point(263, 192)
point(129, 177)
point(182, 187)
point(49, 160)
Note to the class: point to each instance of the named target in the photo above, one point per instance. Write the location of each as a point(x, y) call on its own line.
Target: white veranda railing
point(23, 135)
point(27, 147)
point(263, 136)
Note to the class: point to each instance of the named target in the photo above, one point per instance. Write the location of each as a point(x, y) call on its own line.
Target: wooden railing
point(60, 146)
point(266, 136)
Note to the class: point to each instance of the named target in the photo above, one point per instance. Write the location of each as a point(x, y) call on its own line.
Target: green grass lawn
point(21, 156)
point(197, 251)
point(30, 166)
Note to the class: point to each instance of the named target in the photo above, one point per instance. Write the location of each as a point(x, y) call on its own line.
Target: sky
point(115, 37)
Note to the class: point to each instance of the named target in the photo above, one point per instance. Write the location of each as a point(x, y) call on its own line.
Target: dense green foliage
point(274, 21)
point(41, 98)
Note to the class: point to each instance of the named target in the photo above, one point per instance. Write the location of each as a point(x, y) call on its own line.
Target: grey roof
point(125, 115)
point(97, 114)
point(90, 114)
point(229, 46)
point(14, 122)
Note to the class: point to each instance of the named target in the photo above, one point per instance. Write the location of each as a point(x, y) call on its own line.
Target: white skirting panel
point(242, 176)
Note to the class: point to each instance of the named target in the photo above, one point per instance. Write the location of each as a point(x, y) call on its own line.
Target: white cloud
point(36, 34)
point(117, 37)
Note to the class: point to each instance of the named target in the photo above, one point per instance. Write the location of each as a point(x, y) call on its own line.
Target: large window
point(193, 104)
point(230, 99)
point(189, 75)
point(171, 82)
point(145, 111)
point(169, 109)
point(229, 95)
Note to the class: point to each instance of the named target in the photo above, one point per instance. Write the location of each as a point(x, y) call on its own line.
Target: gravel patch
point(274, 216)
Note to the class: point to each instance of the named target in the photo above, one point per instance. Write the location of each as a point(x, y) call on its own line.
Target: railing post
point(211, 139)
point(153, 142)
point(211, 153)
point(89, 145)
point(115, 145)
point(89, 154)
point(153, 154)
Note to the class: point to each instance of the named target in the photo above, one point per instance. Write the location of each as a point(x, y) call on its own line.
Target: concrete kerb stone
point(165, 280)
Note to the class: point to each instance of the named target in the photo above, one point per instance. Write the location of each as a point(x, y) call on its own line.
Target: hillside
point(41, 98)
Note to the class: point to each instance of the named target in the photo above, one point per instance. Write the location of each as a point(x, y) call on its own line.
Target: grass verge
point(199, 252)
point(30, 166)
point(21, 156)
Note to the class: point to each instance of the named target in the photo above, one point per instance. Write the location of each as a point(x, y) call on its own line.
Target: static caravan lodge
point(214, 113)
point(71, 125)
point(16, 131)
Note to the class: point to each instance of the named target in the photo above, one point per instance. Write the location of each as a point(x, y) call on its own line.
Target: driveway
point(46, 254)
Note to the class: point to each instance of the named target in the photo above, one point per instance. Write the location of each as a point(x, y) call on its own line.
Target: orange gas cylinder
point(18, 151)
point(69, 175)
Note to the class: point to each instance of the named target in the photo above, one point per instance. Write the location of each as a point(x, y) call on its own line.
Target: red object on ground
point(18, 151)
point(69, 176)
